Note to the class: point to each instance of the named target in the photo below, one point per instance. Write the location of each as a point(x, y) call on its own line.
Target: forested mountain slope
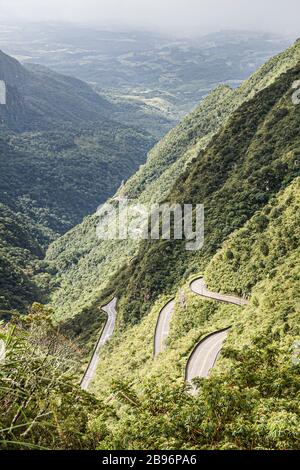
point(254, 156)
point(250, 400)
point(70, 156)
point(56, 177)
point(60, 157)
point(20, 251)
point(38, 98)
point(243, 165)
point(85, 264)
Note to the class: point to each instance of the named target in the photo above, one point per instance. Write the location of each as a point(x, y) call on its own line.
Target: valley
point(175, 349)
point(151, 78)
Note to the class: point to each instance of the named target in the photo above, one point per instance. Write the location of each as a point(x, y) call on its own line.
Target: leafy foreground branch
point(41, 405)
point(254, 405)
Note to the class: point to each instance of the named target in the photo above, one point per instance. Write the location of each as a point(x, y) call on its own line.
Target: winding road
point(205, 354)
point(106, 333)
point(198, 287)
point(163, 327)
point(202, 358)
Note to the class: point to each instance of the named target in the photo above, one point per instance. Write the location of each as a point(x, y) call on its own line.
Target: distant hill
point(152, 79)
point(38, 98)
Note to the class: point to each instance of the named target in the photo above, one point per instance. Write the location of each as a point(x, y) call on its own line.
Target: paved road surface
point(198, 287)
point(204, 356)
point(162, 327)
point(206, 353)
point(106, 333)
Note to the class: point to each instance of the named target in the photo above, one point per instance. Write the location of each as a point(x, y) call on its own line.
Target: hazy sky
point(181, 16)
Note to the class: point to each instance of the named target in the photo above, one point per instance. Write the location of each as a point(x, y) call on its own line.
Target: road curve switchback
point(106, 333)
point(205, 354)
point(198, 287)
point(163, 327)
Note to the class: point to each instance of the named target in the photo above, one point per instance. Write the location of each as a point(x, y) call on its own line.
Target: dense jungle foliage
point(243, 165)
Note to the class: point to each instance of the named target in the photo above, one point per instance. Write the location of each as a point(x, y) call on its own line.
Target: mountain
point(38, 98)
point(245, 170)
point(248, 179)
point(250, 400)
point(85, 265)
point(58, 176)
point(151, 78)
point(60, 157)
point(238, 154)
point(60, 154)
point(252, 158)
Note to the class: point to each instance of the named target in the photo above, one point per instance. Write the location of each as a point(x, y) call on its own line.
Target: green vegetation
point(19, 255)
point(41, 405)
point(252, 253)
point(59, 176)
point(250, 400)
point(252, 158)
point(237, 154)
point(252, 407)
point(60, 157)
point(84, 266)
